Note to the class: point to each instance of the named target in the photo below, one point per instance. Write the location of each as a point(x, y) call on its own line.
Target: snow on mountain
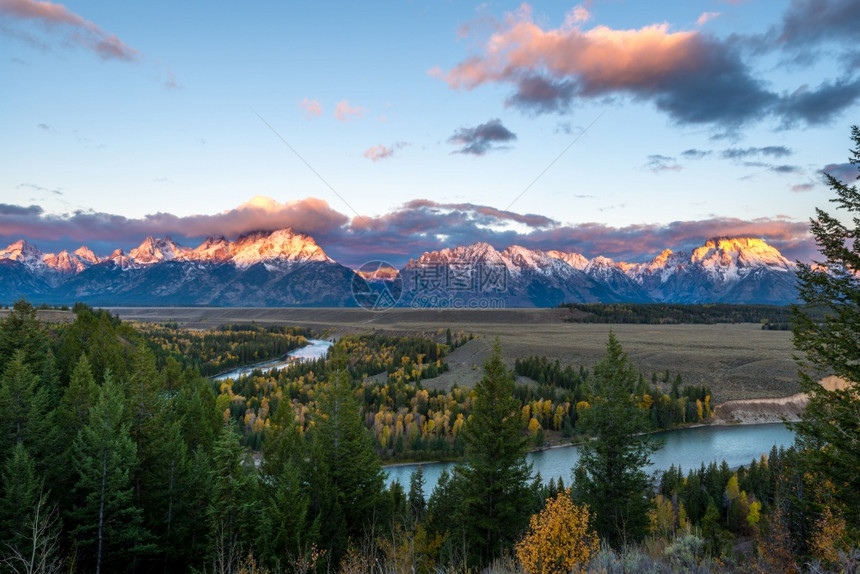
point(67, 263)
point(120, 259)
point(575, 260)
point(25, 253)
point(477, 252)
point(280, 245)
point(157, 250)
point(213, 250)
point(722, 259)
point(85, 254)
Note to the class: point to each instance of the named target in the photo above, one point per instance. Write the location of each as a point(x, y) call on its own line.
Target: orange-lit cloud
point(311, 107)
point(693, 77)
point(344, 112)
point(79, 31)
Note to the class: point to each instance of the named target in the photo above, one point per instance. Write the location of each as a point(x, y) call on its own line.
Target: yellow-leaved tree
point(559, 539)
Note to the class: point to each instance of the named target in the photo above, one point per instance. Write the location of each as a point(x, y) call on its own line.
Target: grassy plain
point(738, 361)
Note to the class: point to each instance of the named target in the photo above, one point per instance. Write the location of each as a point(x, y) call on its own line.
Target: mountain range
point(285, 268)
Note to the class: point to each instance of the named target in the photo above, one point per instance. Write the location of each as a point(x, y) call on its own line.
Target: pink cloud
point(312, 108)
point(82, 32)
point(344, 112)
point(707, 16)
point(380, 152)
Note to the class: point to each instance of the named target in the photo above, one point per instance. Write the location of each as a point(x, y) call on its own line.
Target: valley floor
point(738, 361)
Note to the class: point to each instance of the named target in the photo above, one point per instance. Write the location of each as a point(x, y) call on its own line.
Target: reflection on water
point(689, 448)
point(315, 349)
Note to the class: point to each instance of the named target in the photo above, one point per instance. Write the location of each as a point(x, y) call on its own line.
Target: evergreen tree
point(495, 475)
point(348, 498)
point(417, 503)
point(21, 491)
point(108, 525)
point(23, 404)
point(828, 436)
point(286, 532)
point(609, 475)
point(234, 507)
point(67, 420)
point(22, 331)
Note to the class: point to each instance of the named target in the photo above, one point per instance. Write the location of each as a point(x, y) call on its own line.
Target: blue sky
point(427, 124)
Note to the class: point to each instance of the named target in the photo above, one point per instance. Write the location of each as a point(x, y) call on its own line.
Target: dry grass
point(737, 361)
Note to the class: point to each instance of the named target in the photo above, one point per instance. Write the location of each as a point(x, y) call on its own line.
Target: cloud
point(344, 112)
point(819, 105)
point(34, 187)
point(812, 22)
point(379, 152)
point(693, 77)
point(844, 172)
point(19, 210)
point(695, 153)
point(406, 232)
point(312, 216)
point(75, 29)
point(742, 153)
point(660, 163)
point(482, 138)
point(802, 187)
point(706, 17)
point(312, 108)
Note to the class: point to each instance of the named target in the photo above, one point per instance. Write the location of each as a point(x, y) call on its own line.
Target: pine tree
point(495, 475)
point(108, 524)
point(348, 498)
point(67, 420)
point(609, 475)
point(828, 436)
point(21, 491)
point(234, 507)
point(286, 501)
point(23, 404)
point(417, 503)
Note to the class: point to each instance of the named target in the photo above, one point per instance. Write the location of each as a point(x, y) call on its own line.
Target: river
point(689, 447)
point(315, 349)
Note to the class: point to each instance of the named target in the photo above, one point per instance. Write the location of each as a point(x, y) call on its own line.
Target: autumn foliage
point(559, 538)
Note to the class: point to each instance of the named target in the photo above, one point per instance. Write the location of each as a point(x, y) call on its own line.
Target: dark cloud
point(542, 95)
point(418, 226)
point(819, 105)
point(19, 210)
point(482, 138)
point(783, 169)
point(802, 187)
point(809, 23)
point(742, 153)
point(695, 153)
point(659, 163)
point(844, 172)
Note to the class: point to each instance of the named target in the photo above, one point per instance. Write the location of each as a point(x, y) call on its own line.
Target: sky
point(386, 129)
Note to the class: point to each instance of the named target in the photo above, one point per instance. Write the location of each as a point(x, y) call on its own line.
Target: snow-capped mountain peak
point(157, 250)
point(67, 263)
point(575, 260)
point(282, 245)
point(24, 252)
point(213, 250)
